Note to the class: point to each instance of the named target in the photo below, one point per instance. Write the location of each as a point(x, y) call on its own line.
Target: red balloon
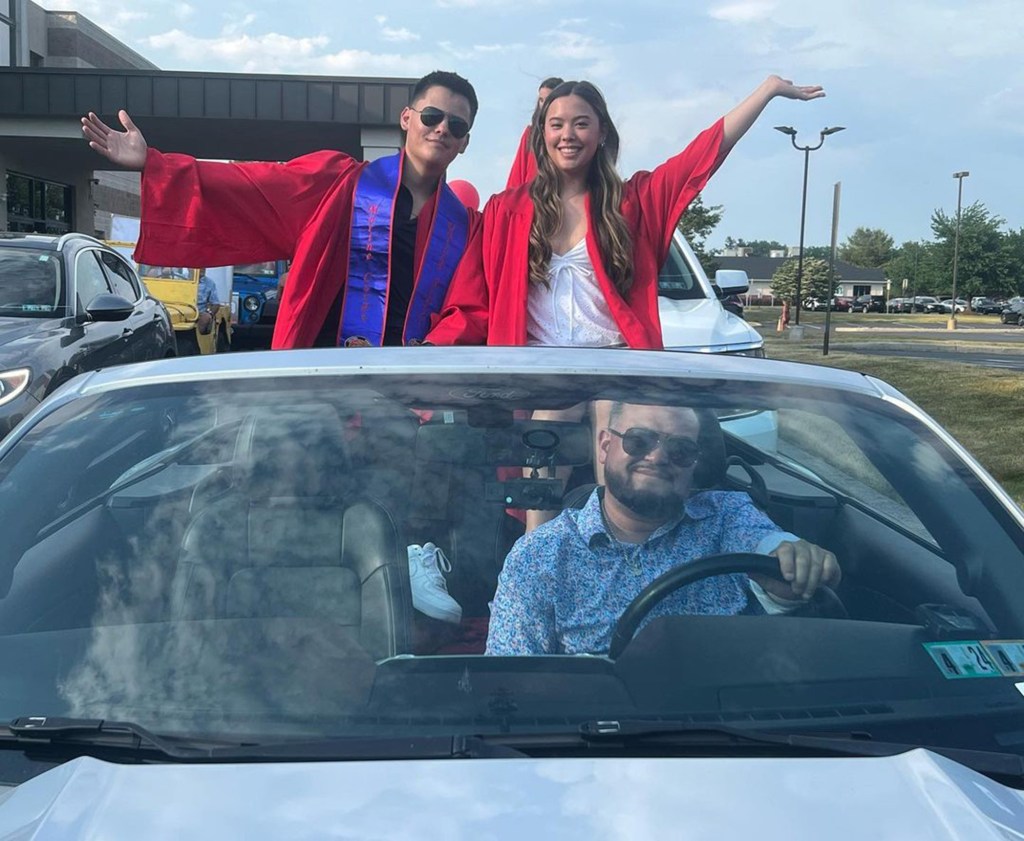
point(466, 193)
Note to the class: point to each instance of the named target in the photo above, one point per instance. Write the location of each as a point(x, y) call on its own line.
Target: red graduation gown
point(216, 214)
point(486, 301)
point(524, 166)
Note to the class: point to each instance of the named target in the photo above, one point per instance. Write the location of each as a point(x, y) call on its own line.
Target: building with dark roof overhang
point(59, 65)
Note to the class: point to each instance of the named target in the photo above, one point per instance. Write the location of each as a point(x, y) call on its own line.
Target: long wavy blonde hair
point(614, 240)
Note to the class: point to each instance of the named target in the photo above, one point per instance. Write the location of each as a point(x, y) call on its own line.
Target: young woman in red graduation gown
point(505, 292)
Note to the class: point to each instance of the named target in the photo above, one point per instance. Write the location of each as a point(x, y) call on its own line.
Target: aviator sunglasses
point(431, 116)
point(638, 441)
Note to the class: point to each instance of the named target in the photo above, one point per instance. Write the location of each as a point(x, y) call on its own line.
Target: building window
point(37, 206)
point(6, 43)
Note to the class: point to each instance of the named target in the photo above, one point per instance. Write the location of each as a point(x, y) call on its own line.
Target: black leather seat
point(293, 538)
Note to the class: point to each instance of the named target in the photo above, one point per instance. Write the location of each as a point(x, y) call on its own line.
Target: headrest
point(296, 451)
point(520, 444)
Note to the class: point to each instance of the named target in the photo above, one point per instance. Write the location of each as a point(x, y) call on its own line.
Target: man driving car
point(565, 584)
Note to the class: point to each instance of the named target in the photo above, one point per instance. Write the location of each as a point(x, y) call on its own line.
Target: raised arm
point(216, 213)
point(125, 148)
point(663, 194)
point(744, 115)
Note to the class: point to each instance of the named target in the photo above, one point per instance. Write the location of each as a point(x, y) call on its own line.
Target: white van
point(690, 306)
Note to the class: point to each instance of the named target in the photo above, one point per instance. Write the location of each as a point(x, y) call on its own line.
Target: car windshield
point(268, 269)
point(31, 283)
point(165, 272)
point(333, 554)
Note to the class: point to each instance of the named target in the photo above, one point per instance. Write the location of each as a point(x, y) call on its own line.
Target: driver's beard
point(648, 504)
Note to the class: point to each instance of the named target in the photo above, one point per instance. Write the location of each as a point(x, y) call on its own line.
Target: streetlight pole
point(959, 176)
point(825, 132)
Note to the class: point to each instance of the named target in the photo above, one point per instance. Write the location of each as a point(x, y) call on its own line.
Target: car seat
point(295, 538)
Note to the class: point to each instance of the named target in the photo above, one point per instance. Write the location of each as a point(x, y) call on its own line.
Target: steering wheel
point(825, 598)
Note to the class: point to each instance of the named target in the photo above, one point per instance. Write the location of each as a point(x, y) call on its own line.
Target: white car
point(690, 306)
point(209, 624)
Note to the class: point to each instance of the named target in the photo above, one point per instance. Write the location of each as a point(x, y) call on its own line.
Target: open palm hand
point(125, 148)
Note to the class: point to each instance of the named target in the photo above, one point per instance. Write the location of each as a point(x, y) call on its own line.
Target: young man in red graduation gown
point(373, 244)
point(524, 165)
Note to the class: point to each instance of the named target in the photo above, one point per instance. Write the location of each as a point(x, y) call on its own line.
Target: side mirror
point(108, 307)
point(731, 282)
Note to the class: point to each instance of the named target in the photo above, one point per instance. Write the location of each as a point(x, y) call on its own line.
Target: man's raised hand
point(125, 148)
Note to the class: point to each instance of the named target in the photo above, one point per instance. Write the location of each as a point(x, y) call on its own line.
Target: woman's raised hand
point(125, 148)
point(786, 89)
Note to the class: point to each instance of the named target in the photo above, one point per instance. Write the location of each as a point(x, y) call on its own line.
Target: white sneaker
point(427, 565)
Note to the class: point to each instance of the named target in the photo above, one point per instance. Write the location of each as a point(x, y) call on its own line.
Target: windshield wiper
point(87, 736)
point(722, 738)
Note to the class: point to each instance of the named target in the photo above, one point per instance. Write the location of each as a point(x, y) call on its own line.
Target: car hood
point(13, 330)
point(704, 325)
point(915, 795)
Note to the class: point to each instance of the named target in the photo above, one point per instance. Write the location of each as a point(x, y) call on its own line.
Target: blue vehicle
point(254, 301)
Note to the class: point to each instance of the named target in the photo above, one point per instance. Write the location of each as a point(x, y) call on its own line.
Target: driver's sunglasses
point(638, 441)
point(431, 116)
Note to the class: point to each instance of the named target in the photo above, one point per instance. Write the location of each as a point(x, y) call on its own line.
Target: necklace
point(632, 558)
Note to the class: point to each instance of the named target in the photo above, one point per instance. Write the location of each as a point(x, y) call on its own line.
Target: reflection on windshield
point(165, 272)
point(268, 269)
point(334, 557)
point(30, 283)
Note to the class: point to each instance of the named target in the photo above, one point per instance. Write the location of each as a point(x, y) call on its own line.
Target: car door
point(144, 341)
point(98, 344)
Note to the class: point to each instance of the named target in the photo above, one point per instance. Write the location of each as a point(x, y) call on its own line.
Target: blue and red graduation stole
point(364, 306)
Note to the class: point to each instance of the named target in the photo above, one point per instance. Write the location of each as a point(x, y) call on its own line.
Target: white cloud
point(237, 24)
point(389, 33)
point(260, 53)
point(489, 4)
point(748, 12)
point(476, 50)
point(183, 11)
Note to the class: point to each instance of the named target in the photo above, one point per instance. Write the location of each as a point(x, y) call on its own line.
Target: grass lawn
point(983, 408)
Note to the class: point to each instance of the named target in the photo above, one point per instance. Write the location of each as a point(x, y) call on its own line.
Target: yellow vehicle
point(199, 326)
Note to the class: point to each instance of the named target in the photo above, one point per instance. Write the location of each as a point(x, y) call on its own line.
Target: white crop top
point(571, 310)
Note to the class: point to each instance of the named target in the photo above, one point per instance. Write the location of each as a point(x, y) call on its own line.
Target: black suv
point(69, 304)
point(868, 303)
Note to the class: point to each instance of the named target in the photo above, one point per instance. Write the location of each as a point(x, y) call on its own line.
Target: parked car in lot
point(868, 303)
point(152, 668)
point(1013, 313)
point(68, 304)
point(921, 302)
point(987, 306)
point(839, 304)
point(946, 305)
point(900, 305)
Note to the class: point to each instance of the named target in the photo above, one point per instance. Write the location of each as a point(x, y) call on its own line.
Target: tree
point(697, 223)
point(820, 252)
point(1013, 260)
point(983, 267)
point(815, 283)
point(758, 247)
point(871, 248)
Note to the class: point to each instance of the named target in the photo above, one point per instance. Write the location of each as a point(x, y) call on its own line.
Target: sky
point(924, 88)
